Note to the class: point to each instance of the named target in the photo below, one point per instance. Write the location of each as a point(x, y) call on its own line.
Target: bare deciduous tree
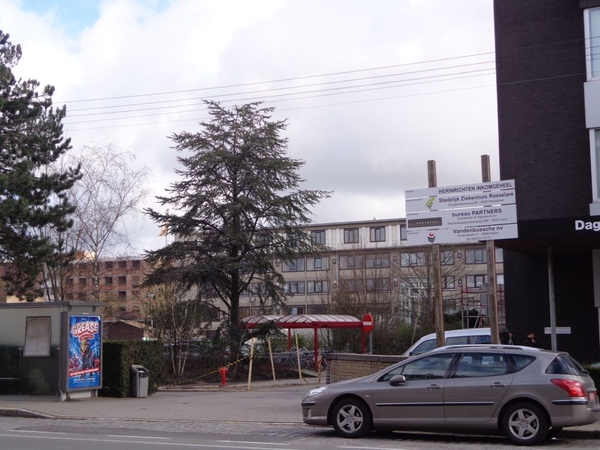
point(109, 192)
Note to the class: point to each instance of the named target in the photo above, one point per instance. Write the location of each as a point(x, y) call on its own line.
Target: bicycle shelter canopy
point(306, 321)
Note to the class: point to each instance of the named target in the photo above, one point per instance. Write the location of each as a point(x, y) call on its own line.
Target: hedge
point(119, 356)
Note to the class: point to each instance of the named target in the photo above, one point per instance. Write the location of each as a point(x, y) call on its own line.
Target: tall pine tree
point(31, 195)
point(236, 208)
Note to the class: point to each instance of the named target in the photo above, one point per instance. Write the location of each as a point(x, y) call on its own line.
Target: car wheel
point(525, 424)
point(352, 418)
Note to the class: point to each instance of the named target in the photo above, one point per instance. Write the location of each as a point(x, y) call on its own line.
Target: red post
point(223, 372)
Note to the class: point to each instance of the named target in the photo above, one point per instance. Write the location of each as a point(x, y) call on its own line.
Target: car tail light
point(573, 388)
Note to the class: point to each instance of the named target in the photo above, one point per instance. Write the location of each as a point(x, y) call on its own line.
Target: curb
point(15, 412)
point(580, 433)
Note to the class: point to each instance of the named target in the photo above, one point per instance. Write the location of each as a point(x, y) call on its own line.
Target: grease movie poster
point(85, 344)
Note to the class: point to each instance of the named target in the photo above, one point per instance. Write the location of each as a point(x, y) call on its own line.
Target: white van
point(453, 337)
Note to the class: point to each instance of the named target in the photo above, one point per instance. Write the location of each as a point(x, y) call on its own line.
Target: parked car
point(524, 393)
point(453, 337)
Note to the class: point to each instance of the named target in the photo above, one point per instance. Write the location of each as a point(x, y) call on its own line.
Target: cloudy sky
point(371, 89)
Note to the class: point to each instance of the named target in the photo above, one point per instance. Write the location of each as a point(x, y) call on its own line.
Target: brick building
point(116, 280)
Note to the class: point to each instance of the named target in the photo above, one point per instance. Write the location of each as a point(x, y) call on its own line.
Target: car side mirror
point(397, 380)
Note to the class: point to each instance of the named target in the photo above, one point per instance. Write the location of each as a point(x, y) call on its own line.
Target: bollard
point(223, 372)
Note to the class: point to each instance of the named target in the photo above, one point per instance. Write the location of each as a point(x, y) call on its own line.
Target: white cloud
point(368, 146)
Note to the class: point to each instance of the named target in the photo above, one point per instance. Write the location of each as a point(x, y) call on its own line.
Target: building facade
point(548, 90)
point(371, 263)
point(116, 281)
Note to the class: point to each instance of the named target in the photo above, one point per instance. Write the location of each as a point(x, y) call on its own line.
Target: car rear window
point(564, 365)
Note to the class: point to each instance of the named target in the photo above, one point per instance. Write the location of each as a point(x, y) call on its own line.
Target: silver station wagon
point(523, 393)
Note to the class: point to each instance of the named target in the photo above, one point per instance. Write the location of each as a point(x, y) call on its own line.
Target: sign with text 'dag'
point(466, 213)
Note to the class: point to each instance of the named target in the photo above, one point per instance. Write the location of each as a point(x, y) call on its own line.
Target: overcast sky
point(371, 89)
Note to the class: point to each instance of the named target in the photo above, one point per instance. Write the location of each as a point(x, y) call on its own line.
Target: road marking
point(252, 442)
point(124, 441)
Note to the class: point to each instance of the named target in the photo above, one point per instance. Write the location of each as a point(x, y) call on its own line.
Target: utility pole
point(491, 264)
point(437, 270)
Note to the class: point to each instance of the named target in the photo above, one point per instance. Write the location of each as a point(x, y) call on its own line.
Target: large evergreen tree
point(31, 195)
point(237, 206)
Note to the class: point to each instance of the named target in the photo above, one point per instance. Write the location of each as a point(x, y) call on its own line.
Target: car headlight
point(316, 391)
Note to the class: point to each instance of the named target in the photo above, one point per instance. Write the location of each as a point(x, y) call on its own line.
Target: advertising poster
point(85, 344)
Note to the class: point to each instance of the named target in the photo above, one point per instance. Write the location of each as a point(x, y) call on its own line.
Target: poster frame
point(78, 378)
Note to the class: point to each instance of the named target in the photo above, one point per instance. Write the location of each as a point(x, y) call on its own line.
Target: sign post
point(462, 214)
point(367, 328)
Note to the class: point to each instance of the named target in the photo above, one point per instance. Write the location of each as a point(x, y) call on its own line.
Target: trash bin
point(139, 381)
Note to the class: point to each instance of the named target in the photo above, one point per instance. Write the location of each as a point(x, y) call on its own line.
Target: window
point(500, 279)
point(592, 30)
point(481, 365)
point(377, 234)
point(294, 265)
point(108, 281)
point(596, 163)
point(403, 235)
point(318, 237)
point(294, 287)
point(82, 281)
point(378, 284)
point(136, 264)
point(412, 259)
point(447, 257)
point(448, 282)
point(425, 368)
point(108, 265)
point(477, 256)
point(351, 236)
point(499, 254)
point(122, 295)
point(135, 279)
point(316, 309)
point(122, 280)
point(352, 285)
point(351, 262)
point(317, 287)
point(122, 264)
point(295, 309)
point(70, 282)
point(378, 260)
point(476, 281)
point(414, 287)
point(317, 263)
point(69, 296)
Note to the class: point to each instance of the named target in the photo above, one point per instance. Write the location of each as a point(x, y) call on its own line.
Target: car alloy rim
point(524, 424)
point(350, 418)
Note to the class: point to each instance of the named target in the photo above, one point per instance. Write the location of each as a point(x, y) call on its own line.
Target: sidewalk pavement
point(270, 402)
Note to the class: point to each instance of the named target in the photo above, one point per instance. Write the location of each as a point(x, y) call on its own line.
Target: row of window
point(83, 296)
point(352, 235)
point(409, 285)
point(108, 281)
point(289, 309)
point(382, 260)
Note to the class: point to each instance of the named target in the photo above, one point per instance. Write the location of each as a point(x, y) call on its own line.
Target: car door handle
point(434, 386)
point(498, 385)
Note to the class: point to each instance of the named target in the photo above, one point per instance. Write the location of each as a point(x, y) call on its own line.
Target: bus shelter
point(314, 321)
